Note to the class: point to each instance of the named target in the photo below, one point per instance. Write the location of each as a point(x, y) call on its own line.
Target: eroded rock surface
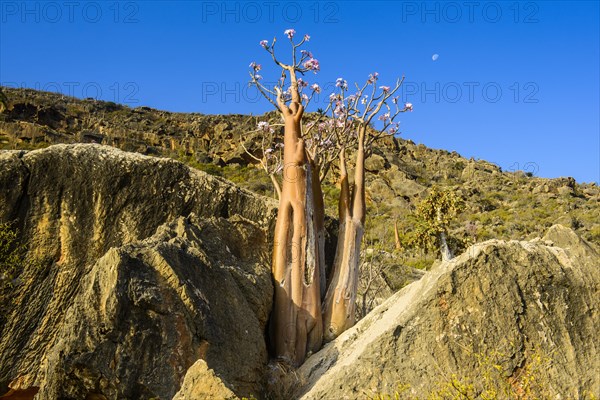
point(531, 308)
point(143, 266)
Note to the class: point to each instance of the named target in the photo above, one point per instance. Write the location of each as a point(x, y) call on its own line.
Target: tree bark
point(319, 217)
point(397, 236)
point(445, 250)
point(340, 301)
point(275, 186)
point(296, 323)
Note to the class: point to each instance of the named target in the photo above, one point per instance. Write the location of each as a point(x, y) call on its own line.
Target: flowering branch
point(271, 151)
point(301, 64)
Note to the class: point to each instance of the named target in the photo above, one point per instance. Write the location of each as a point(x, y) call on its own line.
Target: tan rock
point(143, 266)
point(200, 382)
point(530, 310)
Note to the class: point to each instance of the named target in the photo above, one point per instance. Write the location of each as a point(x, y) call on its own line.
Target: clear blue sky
point(515, 83)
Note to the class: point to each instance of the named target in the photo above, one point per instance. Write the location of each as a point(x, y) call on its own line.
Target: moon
point(435, 56)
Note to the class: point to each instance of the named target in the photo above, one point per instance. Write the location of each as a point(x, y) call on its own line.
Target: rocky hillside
point(499, 204)
point(145, 279)
point(36, 119)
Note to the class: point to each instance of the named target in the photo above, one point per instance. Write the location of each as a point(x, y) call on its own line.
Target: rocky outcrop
point(493, 318)
point(38, 117)
point(143, 266)
point(201, 383)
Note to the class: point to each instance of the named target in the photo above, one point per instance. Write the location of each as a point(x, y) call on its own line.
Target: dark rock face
point(143, 267)
point(532, 308)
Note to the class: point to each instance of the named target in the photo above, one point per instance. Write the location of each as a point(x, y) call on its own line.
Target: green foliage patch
point(492, 379)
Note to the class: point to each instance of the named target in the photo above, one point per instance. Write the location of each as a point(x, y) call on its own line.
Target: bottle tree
point(296, 325)
point(352, 113)
point(308, 305)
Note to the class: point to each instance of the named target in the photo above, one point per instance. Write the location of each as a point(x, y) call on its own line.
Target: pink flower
point(302, 83)
point(263, 126)
point(341, 83)
point(257, 77)
point(316, 88)
point(304, 97)
point(408, 106)
point(306, 38)
point(264, 43)
point(255, 66)
point(306, 53)
point(385, 89)
point(339, 110)
point(326, 143)
point(384, 117)
point(312, 65)
point(372, 77)
point(290, 33)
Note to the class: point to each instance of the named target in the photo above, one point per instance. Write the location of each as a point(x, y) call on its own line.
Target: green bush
point(249, 177)
point(209, 168)
point(423, 262)
point(594, 234)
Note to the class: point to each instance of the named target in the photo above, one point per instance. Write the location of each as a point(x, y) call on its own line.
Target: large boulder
point(507, 316)
point(142, 267)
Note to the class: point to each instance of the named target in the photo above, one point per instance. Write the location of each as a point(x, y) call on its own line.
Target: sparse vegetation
point(433, 217)
point(492, 380)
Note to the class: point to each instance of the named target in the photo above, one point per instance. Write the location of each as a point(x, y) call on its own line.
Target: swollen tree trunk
point(296, 323)
point(340, 300)
point(319, 218)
